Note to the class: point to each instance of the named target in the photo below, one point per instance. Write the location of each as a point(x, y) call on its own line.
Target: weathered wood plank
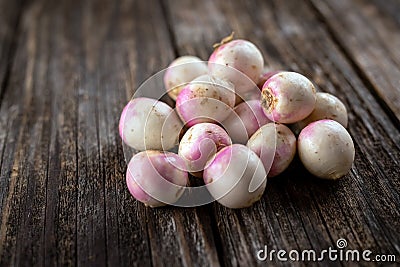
point(21, 160)
point(35, 180)
point(371, 41)
point(206, 26)
point(65, 198)
point(96, 18)
point(300, 212)
point(10, 12)
point(389, 8)
point(9, 19)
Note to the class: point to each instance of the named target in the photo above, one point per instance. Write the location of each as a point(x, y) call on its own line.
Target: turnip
point(244, 120)
point(181, 71)
point(205, 99)
point(288, 97)
point(147, 123)
point(238, 61)
point(326, 149)
point(235, 177)
point(156, 178)
point(275, 144)
point(327, 107)
point(200, 143)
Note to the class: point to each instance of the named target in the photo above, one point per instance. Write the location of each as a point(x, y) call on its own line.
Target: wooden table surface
point(67, 69)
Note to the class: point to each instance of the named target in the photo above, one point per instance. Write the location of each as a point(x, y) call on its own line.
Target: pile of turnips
point(233, 125)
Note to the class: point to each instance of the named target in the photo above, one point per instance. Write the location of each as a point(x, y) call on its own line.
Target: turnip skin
point(147, 123)
point(288, 97)
point(274, 142)
point(205, 99)
point(244, 120)
point(326, 149)
point(153, 176)
point(231, 175)
point(265, 76)
point(200, 143)
point(327, 106)
point(181, 71)
point(238, 61)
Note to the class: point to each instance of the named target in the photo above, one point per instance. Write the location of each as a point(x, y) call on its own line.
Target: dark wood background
point(67, 69)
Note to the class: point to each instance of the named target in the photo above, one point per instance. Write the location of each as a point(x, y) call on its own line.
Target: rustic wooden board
point(10, 12)
point(72, 66)
point(371, 41)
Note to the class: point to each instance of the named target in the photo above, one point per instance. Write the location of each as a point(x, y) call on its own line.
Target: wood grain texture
point(370, 39)
point(65, 199)
point(10, 13)
point(73, 65)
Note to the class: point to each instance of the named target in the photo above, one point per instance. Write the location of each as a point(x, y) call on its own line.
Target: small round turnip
point(205, 99)
point(147, 123)
point(275, 144)
point(235, 177)
point(244, 120)
point(288, 97)
point(327, 107)
point(156, 178)
point(326, 149)
point(181, 71)
point(241, 55)
point(200, 143)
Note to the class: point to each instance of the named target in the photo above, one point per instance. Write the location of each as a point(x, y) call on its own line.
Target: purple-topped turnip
point(181, 71)
point(205, 99)
point(288, 97)
point(200, 143)
point(147, 123)
point(327, 107)
point(235, 177)
point(275, 144)
point(326, 149)
point(156, 178)
point(238, 61)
